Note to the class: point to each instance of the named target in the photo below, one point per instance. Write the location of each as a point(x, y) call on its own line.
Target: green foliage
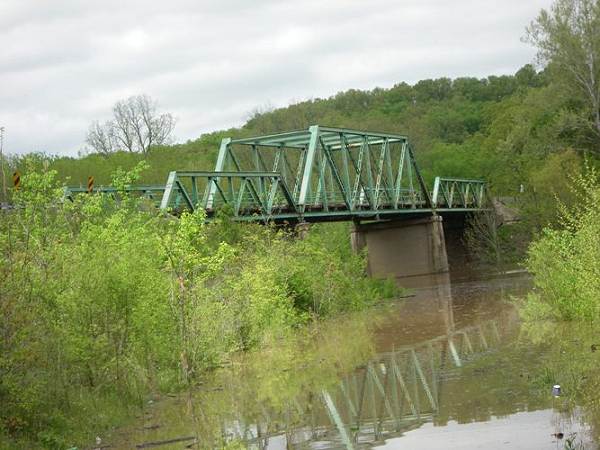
point(566, 260)
point(567, 37)
point(103, 302)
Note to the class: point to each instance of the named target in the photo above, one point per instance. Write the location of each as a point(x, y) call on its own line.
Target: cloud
point(65, 63)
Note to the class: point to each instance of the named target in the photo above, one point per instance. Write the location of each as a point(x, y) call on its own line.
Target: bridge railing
point(151, 192)
point(454, 193)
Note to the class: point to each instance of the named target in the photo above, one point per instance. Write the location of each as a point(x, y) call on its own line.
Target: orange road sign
point(16, 179)
point(90, 184)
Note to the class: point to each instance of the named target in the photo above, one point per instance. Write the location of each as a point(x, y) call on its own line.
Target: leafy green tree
point(568, 39)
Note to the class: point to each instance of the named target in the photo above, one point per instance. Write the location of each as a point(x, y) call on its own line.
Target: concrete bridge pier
point(403, 248)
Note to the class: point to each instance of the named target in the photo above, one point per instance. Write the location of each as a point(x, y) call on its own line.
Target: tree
point(568, 39)
point(100, 137)
point(136, 127)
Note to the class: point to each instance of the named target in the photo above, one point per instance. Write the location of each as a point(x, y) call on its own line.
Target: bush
point(566, 261)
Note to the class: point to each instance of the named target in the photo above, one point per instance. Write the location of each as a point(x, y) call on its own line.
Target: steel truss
point(318, 174)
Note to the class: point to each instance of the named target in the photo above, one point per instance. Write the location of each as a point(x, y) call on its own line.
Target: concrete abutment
point(403, 248)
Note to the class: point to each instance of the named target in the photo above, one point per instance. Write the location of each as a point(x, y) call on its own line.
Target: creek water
point(451, 367)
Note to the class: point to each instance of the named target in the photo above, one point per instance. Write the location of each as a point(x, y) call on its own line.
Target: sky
point(65, 63)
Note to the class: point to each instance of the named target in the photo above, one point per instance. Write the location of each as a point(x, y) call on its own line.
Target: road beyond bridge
point(326, 174)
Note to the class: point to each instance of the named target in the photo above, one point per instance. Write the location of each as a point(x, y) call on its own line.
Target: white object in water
point(556, 390)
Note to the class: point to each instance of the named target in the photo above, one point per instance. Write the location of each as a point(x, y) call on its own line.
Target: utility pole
point(4, 197)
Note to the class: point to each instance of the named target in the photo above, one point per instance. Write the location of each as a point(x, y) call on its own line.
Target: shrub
point(566, 261)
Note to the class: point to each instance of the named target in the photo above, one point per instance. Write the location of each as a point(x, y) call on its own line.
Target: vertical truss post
point(371, 194)
point(358, 183)
point(194, 191)
point(321, 194)
point(308, 166)
point(390, 177)
point(380, 168)
point(221, 160)
point(258, 166)
point(411, 185)
point(398, 185)
point(347, 192)
point(168, 194)
point(480, 195)
point(436, 191)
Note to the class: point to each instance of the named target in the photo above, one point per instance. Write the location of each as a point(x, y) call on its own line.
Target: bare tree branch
point(100, 137)
point(136, 127)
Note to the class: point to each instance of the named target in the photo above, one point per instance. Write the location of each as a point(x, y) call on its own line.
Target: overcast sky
point(65, 63)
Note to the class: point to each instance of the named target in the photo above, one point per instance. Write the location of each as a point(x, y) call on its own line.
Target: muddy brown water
point(448, 368)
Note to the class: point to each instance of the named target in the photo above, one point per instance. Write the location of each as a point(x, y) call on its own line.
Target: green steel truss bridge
point(314, 175)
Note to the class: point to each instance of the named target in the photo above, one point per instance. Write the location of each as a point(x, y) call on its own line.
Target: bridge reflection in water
point(395, 392)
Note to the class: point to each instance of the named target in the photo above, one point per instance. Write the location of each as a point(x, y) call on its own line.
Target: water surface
point(450, 367)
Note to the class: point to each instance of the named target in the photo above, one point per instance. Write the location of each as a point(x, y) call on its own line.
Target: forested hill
point(440, 110)
point(512, 130)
